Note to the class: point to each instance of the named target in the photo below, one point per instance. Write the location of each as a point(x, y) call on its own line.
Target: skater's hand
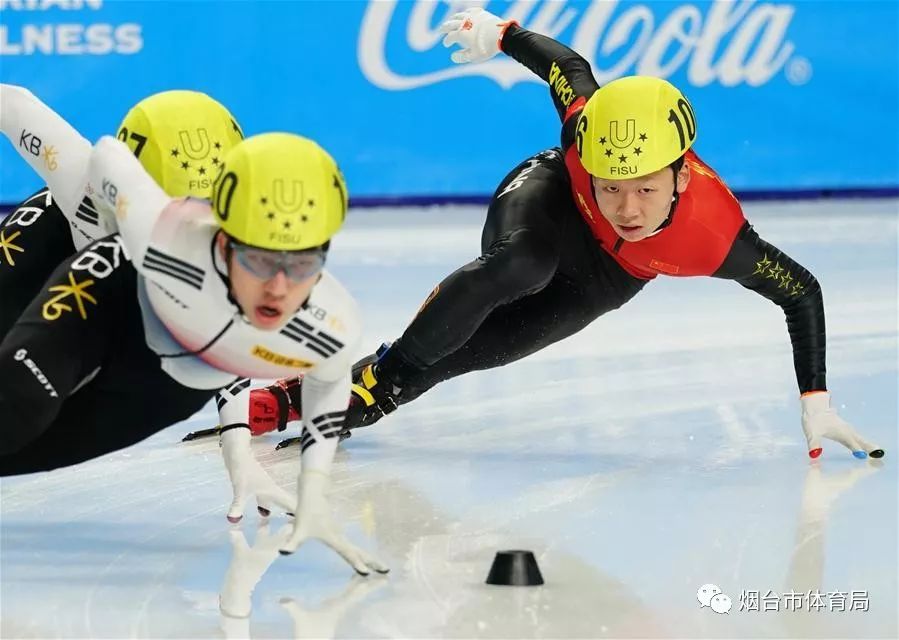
point(820, 420)
point(248, 478)
point(478, 33)
point(313, 520)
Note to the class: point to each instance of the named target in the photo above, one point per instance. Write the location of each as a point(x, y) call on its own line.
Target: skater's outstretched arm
point(148, 219)
point(236, 405)
point(123, 189)
point(481, 35)
point(765, 269)
point(325, 392)
point(53, 148)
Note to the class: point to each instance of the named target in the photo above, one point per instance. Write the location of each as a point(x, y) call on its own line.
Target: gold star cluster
point(773, 271)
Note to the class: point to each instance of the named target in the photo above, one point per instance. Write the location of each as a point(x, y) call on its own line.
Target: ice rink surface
point(655, 452)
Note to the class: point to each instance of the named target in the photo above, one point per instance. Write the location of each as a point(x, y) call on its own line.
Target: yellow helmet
point(180, 137)
point(634, 126)
point(279, 191)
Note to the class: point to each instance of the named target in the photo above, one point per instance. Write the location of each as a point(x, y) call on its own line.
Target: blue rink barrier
point(791, 98)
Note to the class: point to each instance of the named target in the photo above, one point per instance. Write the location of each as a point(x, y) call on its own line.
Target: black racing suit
point(77, 379)
point(34, 239)
point(542, 276)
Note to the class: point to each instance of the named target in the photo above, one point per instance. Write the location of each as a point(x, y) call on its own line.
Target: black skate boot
point(373, 395)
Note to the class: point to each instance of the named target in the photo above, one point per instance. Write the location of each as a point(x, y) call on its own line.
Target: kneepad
point(270, 409)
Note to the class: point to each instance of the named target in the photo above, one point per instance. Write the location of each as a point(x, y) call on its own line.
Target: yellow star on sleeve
point(762, 265)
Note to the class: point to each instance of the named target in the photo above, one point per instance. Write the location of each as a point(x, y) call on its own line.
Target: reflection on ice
point(249, 564)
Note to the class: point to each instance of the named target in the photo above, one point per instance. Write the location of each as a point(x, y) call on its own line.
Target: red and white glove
point(820, 420)
point(479, 33)
point(248, 478)
point(271, 408)
point(313, 520)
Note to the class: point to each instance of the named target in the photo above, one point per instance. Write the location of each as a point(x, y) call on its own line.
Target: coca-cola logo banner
point(781, 90)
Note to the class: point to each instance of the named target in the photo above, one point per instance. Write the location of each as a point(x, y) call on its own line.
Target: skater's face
point(267, 302)
point(636, 207)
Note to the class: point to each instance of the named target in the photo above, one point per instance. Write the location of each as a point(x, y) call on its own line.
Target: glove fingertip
point(449, 26)
point(361, 572)
point(234, 519)
point(265, 513)
point(861, 455)
point(284, 552)
point(877, 453)
point(815, 453)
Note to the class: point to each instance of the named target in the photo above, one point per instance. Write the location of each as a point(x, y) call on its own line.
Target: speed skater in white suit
point(182, 299)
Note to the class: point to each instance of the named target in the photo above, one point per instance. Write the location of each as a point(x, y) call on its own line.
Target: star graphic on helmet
point(185, 165)
point(622, 158)
point(263, 200)
point(608, 153)
point(215, 161)
point(287, 225)
point(602, 140)
point(311, 202)
point(175, 153)
point(217, 145)
point(270, 216)
point(642, 137)
point(637, 151)
point(202, 171)
point(304, 218)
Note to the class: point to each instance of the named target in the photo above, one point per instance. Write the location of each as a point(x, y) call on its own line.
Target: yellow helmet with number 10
point(634, 126)
point(279, 191)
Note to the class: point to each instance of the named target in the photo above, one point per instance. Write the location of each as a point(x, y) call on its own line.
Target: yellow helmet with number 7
point(634, 126)
point(180, 138)
point(279, 191)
